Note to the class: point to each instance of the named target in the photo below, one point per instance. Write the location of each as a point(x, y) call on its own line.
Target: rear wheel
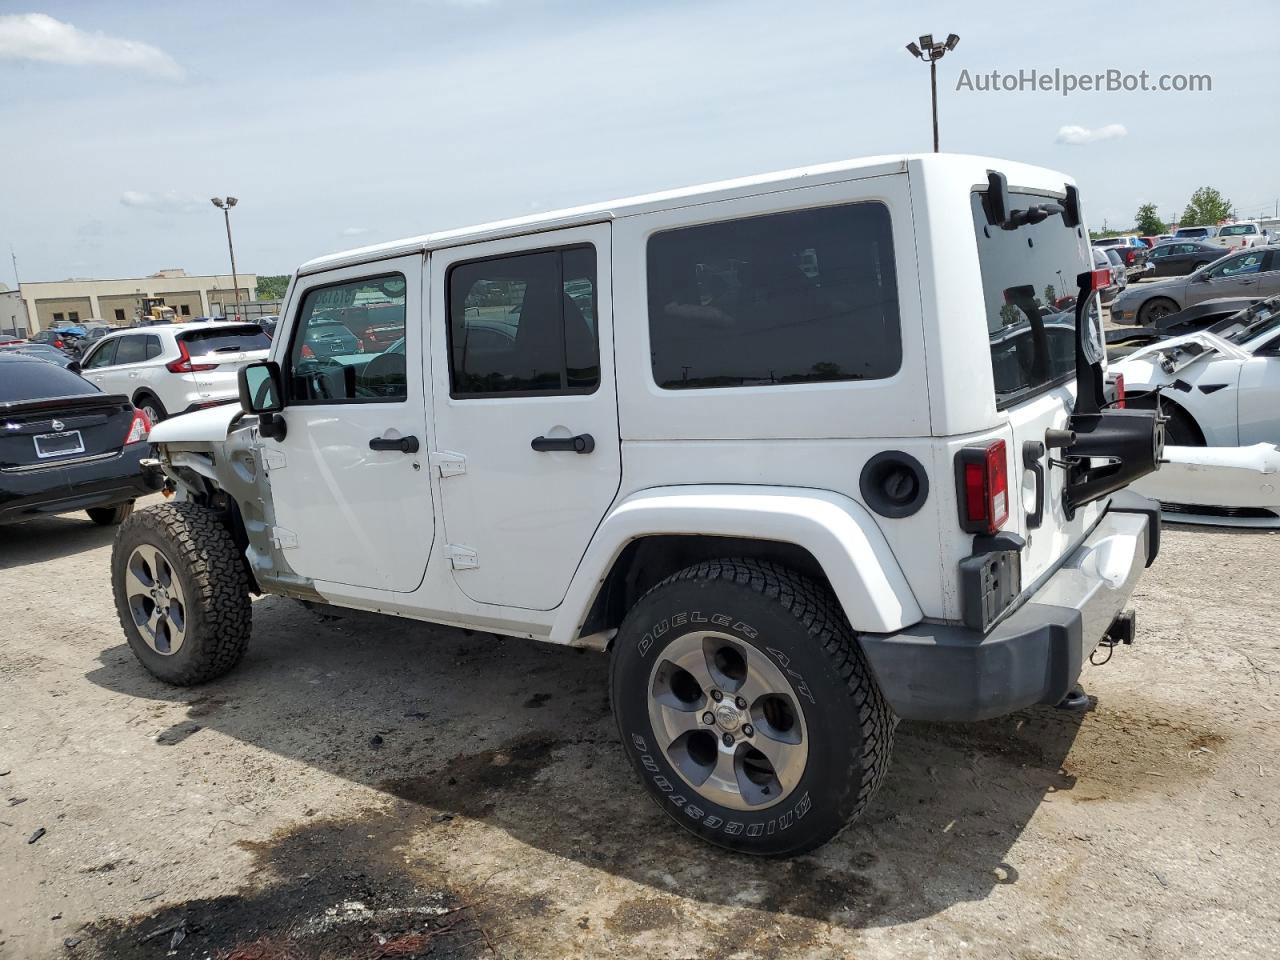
point(152, 407)
point(181, 593)
point(747, 708)
point(110, 516)
point(1156, 309)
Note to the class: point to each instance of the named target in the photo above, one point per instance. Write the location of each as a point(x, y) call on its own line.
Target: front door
point(349, 481)
point(525, 408)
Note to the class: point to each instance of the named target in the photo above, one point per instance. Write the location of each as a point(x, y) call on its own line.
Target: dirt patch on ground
point(370, 788)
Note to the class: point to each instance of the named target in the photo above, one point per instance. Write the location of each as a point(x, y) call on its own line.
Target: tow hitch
point(1121, 631)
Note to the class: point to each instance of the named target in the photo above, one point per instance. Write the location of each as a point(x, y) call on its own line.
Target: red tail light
point(1118, 403)
point(139, 427)
point(982, 476)
point(183, 364)
point(58, 344)
point(308, 352)
point(1102, 278)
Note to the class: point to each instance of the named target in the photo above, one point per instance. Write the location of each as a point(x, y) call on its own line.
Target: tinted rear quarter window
point(225, 340)
point(797, 297)
point(32, 379)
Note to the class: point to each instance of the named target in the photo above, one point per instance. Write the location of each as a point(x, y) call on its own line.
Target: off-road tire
point(110, 516)
point(208, 565)
point(799, 626)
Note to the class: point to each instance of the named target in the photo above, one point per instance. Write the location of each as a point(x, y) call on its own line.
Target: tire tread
point(205, 548)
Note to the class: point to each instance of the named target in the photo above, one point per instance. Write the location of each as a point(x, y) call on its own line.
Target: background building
point(119, 301)
point(13, 312)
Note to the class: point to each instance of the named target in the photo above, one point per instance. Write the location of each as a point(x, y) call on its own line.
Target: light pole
point(225, 206)
point(931, 53)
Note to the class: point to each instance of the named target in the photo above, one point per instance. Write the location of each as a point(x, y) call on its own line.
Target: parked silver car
point(1254, 272)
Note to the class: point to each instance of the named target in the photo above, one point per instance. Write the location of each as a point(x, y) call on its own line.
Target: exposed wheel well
point(143, 392)
point(648, 561)
point(1174, 409)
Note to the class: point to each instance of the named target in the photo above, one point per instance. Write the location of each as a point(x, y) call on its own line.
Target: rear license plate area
point(58, 444)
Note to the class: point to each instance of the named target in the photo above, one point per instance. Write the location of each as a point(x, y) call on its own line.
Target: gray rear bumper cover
point(943, 672)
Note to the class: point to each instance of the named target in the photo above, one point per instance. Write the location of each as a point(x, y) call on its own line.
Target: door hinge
point(283, 539)
point(462, 558)
point(447, 463)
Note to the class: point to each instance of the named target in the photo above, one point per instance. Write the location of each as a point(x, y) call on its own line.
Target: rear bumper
point(65, 489)
point(943, 672)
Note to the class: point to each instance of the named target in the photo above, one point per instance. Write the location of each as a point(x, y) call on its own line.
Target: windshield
point(1237, 230)
point(1192, 232)
point(1256, 320)
point(1029, 286)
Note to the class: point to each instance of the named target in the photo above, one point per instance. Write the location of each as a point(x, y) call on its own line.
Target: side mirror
point(260, 387)
point(74, 366)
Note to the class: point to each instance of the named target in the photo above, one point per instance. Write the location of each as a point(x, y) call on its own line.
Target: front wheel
point(1156, 309)
point(747, 709)
point(181, 593)
point(110, 516)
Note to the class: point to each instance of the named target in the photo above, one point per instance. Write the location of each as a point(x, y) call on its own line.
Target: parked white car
point(172, 369)
point(1236, 236)
point(805, 452)
point(1233, 372)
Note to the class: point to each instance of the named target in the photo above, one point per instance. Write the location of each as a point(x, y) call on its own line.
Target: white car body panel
point(1217, 478)
point(841, 535)
point(199, 426)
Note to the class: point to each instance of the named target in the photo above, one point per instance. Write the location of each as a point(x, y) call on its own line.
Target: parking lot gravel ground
point(365, 788)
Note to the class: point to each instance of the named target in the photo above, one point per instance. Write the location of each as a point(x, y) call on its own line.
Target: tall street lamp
point(931, 53)
point(225, 206)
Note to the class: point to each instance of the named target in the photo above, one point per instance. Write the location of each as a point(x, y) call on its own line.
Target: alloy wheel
point(156, 600)
point(727, 720)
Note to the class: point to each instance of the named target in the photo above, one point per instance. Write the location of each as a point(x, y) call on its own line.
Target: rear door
point(98, 366)
point(1029, 286)
point(525, 409)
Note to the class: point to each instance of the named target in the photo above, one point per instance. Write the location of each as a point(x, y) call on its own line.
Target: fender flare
point(839, 532)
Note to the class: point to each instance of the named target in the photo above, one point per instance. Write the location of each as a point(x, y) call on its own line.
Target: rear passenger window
point(153, 347)
point(336, 355)
point(524, 324)
point(131, 350)
point(799, 297)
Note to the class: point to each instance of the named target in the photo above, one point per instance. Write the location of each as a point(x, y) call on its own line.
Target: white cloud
point(170, 202)
point(36, 36)
point(355, 231)
point(1077, 135)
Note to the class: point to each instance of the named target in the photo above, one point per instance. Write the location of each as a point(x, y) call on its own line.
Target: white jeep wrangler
point(805, 453)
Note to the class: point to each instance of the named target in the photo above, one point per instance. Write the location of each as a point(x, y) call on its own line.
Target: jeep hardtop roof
point(1017, 173)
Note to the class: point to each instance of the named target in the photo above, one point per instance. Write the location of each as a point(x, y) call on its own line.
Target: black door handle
point(403, 444)
point(1032, 451)
point(582, 443)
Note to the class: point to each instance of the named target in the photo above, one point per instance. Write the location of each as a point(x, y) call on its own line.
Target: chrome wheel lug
point(708, 718)
point(717, 696)
point(748, 730)
point(741, 703)
point(728, 739)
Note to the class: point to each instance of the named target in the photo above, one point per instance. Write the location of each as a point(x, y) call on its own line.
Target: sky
point(342, 124)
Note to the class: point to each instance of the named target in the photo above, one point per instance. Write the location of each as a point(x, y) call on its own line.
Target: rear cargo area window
point(226, 340)
point(799, 297)
point(1029, 288)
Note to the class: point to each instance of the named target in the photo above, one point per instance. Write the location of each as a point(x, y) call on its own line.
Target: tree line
point(1207, 207)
